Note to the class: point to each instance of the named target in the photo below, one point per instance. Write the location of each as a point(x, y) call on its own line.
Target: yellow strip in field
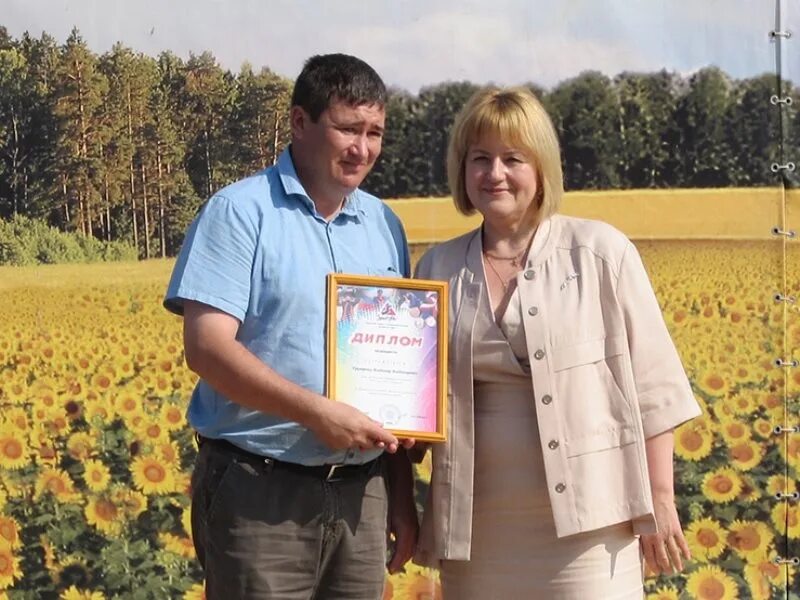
point(722, 213)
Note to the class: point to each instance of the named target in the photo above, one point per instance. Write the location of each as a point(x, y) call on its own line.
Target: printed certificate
point(387, 351)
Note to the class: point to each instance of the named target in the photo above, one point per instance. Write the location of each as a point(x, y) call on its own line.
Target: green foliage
point(25, 241)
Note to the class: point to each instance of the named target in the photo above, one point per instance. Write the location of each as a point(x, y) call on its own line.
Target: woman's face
point(501, 181)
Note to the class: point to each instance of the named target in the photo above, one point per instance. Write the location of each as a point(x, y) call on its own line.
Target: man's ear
point(299, 120)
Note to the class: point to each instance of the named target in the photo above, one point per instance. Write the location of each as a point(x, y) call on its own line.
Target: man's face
point(342, 146)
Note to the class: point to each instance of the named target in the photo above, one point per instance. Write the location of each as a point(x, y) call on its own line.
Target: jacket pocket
point(594, 412)
point(601, 440)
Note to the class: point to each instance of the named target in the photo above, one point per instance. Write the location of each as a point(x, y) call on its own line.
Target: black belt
point(326, 472)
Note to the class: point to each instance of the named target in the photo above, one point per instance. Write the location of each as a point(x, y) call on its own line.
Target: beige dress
point(515, 552)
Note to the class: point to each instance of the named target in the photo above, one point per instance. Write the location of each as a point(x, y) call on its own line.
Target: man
point(289, 498)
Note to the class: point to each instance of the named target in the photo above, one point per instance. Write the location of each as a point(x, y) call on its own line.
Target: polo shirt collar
point(292, 186)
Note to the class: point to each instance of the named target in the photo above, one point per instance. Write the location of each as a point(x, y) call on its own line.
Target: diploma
point(387, 351)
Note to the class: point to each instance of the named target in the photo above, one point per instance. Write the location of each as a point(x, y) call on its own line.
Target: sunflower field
point(95, 455)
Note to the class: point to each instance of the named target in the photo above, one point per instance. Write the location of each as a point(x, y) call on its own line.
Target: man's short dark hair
point(328, 77)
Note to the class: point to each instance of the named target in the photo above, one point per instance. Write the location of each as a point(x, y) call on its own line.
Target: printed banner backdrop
point(676, 128)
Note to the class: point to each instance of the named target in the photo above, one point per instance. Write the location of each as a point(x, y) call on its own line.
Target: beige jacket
point(606, 376)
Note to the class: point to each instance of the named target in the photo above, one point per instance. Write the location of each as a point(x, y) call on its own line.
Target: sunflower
point(790, 451)
point(773, 402)
point(73, 593)
point(743, 403)
point(750, 539)
point(72, 570)
point(9, 532)
point(180, 545)
point(786, 517)
point(709, 582)
point(763, 429)
point(56, 482)
point(14, 451)
point(102, 513)
point(128, 405)
point(763, 577)
point(780, 484)
point(183, 483)
point(722, 485)
point(15, 392)
point(9, 568)
point(152, 476)
point(81, 445)
point(734, 431)
point(150, 430)
point(132, 502)
point(164, 365)
point(102, 382)
point(186, 519)
point(706, 539)
point(664, 593)
point(99, 412)
point(49, 553)
point(714, 384)
point(745, 455)
point(196, 592)
point(692, 443)
point(169, 452)
point(416, 582)
point(424, 469)
point(17, 417)
point(96, 475)
point(172, 417)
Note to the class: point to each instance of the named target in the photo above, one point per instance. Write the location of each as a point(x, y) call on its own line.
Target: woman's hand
point(664, 551)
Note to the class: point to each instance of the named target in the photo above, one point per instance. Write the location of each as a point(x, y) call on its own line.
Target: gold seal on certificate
point(387, 352)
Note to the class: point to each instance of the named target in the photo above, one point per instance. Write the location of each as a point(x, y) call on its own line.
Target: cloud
point(422, 42)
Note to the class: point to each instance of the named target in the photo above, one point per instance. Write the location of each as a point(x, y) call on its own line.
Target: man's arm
point(212, 351)
point(403, 521)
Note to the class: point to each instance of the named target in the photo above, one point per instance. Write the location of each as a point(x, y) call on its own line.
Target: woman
point(565, 386)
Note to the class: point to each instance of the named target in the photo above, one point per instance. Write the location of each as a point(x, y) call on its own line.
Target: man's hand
point(663, 550)
point(341, 426)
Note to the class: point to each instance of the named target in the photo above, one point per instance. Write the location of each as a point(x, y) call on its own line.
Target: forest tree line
point(125, 147)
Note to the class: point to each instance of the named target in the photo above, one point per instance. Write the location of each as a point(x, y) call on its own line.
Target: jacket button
point(529, 274)
point(560, 488)
point(538, 355)
point(552, 444)
point(533, 311)
point(547, 399)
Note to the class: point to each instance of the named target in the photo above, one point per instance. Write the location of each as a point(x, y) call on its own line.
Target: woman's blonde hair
point(520, 120)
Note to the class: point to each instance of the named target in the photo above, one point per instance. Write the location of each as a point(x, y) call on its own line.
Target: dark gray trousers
point(267, 533)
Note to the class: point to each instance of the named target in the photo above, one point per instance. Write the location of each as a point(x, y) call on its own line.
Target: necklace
point(497, 274)
point(516, 261)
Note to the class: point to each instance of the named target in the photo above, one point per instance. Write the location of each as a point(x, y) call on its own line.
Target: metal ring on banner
point(779, 560)
point(775, 99)
point(793, 496)
point(780, 430)
point(780, 362)
point(775, 167)
point(781, 298)
point(790, 233)
point(776, 33)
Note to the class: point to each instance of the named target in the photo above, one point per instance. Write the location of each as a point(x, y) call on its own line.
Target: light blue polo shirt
point(259, 251)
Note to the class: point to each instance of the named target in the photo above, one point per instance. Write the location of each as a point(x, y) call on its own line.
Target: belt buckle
point(332, 472)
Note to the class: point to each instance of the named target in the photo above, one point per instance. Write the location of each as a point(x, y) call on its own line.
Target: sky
point(417, 43)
